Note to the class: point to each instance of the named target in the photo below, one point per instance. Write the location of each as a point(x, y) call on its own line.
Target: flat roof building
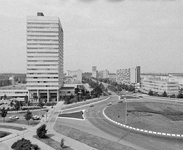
point(44, 56)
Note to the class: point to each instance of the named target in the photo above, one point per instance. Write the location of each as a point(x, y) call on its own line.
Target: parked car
point(109, 104)
point(36, 117)
point(13, 117)
point(91, 105)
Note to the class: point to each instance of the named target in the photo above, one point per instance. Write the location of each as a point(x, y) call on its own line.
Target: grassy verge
point(12, 127)
point(83, 103)
point(78, 115)
point(52, 143)
point(3, 134)
point(89, 139)
point(159, 117)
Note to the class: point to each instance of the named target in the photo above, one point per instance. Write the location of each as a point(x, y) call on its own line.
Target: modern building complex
point(103, 74)
point(75, 74)
point(159, 86)
point(128, 76)
point(44, 57)
point(158, 83)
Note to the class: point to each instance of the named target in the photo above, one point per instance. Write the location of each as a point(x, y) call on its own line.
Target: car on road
point(109, 104)
point(120, 102)
point(91, 105)
point(13, 117)
point(36, 117)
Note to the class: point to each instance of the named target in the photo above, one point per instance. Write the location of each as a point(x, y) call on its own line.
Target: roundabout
point(162, 119)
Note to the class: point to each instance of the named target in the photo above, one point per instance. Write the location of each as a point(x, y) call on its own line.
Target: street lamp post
point(126, 112)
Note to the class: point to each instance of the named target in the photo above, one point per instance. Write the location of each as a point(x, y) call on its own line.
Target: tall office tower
point(44, 57)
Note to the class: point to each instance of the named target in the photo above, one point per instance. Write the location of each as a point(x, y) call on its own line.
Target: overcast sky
point(111, 34)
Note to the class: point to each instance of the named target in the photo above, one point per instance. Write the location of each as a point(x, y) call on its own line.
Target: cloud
point(115, 0)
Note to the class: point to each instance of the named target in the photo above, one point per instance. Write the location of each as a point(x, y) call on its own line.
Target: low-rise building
point(159, 86)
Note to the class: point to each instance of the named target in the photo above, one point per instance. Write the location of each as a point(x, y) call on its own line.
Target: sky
point(109, 34)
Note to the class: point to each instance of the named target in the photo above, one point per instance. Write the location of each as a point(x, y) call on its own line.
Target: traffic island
point(160, 119)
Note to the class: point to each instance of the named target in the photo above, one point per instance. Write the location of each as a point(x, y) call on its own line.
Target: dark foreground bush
point(24, 144)
point(41, 131)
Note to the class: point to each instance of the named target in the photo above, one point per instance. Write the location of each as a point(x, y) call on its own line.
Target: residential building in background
point(76, 75)
point(112, 77)
point(87, 74)
point(44, 57)
point(103, 74)
point(128, 75)
point(94, 72)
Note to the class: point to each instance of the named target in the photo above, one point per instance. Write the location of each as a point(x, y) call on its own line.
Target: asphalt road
point(118, 134)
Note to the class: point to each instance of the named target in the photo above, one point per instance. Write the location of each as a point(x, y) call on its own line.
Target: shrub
point(41, 131)
point(62, 145)
point(28, 116)
point(24, 144)
point(3, 134)
point(51, 103)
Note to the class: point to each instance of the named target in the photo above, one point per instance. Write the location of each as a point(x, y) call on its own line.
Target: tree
point(41, 131)
point(26, 99)
point(5, 96)
point(150, 93)
point(3, 113)
point(164, 94)
point(180, 95)
point(23, 144)
point(11, 104)
point(28, 116)
point(41, 104)
point(17, 105)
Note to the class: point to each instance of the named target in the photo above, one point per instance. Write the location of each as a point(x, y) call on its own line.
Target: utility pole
point(126, 112)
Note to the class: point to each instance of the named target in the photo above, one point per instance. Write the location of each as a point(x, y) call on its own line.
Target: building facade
point(159, 86)
point(94, 72)
point(103, 74)
point(128, 75)
point(44, 57)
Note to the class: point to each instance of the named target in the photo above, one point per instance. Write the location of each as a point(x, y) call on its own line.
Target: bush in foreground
point(41, 131)
point(24, 144)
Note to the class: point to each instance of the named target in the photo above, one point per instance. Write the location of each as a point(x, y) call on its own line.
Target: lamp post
point(125, 110)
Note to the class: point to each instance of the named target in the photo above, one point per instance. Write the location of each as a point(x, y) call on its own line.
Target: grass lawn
point(3, 134)
point(160, 117)
point(78, 115)
point(52, 143)
point(89, 139)
point(67, 106)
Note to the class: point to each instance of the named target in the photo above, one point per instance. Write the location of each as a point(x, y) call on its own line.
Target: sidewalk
point(51, 117)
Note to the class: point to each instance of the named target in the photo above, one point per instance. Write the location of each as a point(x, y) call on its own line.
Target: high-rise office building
point(44, 57)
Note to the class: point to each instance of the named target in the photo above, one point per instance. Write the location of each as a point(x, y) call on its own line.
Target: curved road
point(123, 136)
